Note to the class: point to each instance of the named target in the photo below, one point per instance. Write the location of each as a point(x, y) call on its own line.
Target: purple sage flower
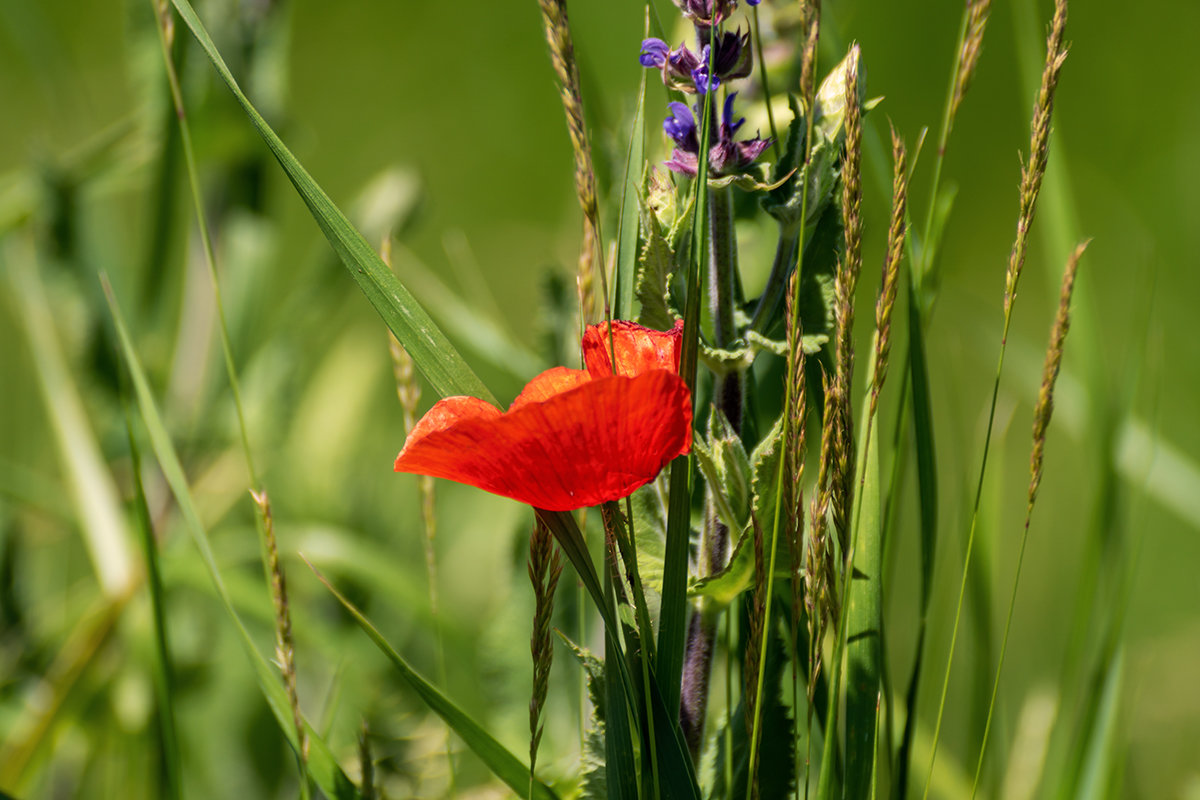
point(709, 13)
point(725, 157)
point(688, 72)
point(703, 81)
point(654, 53)
point(681, 127)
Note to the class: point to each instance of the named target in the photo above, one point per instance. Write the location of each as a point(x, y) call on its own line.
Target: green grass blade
point(1104, 753)
point(620, 770)
point(672, 623)
point(323, 766)
point(627, 229)
point(92, 491)
point(863, 652)
point(164, 680)
point(431, 351)
point(503, 764)
point(922, 417)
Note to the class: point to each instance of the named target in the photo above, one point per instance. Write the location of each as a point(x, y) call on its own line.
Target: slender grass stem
point(165, 676)
point(762, 73)
point(1032, 173)
point(1044, 409)
point(789, 401)
point(272, 569)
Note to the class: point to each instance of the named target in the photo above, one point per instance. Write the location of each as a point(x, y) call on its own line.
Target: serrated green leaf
point(431, 351)
point(764, 466)
point(659, 260)
point(724, 587)
point(732, 462)
point(740, 358)
point(503, 764)
point(650, 533)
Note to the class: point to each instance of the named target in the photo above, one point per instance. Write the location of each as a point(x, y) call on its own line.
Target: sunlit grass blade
point(627, 228)
point(503, 764)
point(672, 623)
point(864, 612)
point(1105, 756)
point(322, 765)
point(432, 352)
point(92, 491)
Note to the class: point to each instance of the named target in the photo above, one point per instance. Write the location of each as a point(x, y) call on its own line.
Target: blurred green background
point(444, 118)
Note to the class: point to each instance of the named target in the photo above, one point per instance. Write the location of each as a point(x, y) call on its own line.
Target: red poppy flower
point(572, 438)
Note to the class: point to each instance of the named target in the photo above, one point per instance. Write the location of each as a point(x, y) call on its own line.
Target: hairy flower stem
point(727, 398)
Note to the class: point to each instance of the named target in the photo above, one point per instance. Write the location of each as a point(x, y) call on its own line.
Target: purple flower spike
point(728, 125)
point(704, 81)
point(681, 127)
point(654, 53)
point(753, 2)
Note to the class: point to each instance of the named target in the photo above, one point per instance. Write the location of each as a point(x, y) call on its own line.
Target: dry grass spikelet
point(810, 13)
point(975, 22)
point(562, 54)
point(891, 268)
point(1034, 169)
point(849, 268)
point(285, 651)
point(545, 567)
point(1044, 408)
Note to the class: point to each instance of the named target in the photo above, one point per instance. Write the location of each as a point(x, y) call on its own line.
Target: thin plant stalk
point(675, 645)
point(562, 54)
point(1031, 177)
point(270, 555)
point(545, 568)
point(165, 677)
point(762, 77)
point(408, 392)
point(1041, 421)
point(795, 375)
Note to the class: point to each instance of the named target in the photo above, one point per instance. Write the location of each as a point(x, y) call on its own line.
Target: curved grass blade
point(431, 351)
point(506, 766)
point(323, 767)
point(863, 677)
point(627, 228)
point(93, 493)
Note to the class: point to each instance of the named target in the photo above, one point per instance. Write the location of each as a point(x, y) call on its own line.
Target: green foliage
point(98, 657)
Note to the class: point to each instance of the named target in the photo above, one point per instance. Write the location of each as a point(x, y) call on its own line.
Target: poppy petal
point(596, 442)
point(553, 381)
point(638, 349)
point(450, 411)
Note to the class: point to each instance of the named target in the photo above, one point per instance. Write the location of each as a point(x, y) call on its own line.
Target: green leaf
point(662, 230)
point(431, 351)
point(93, 494)
point(322, 765)
point(650, 534)
point(864, 622)
point(738, 575)
point(592, 760)
point(764, 466)
point(503, 764)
